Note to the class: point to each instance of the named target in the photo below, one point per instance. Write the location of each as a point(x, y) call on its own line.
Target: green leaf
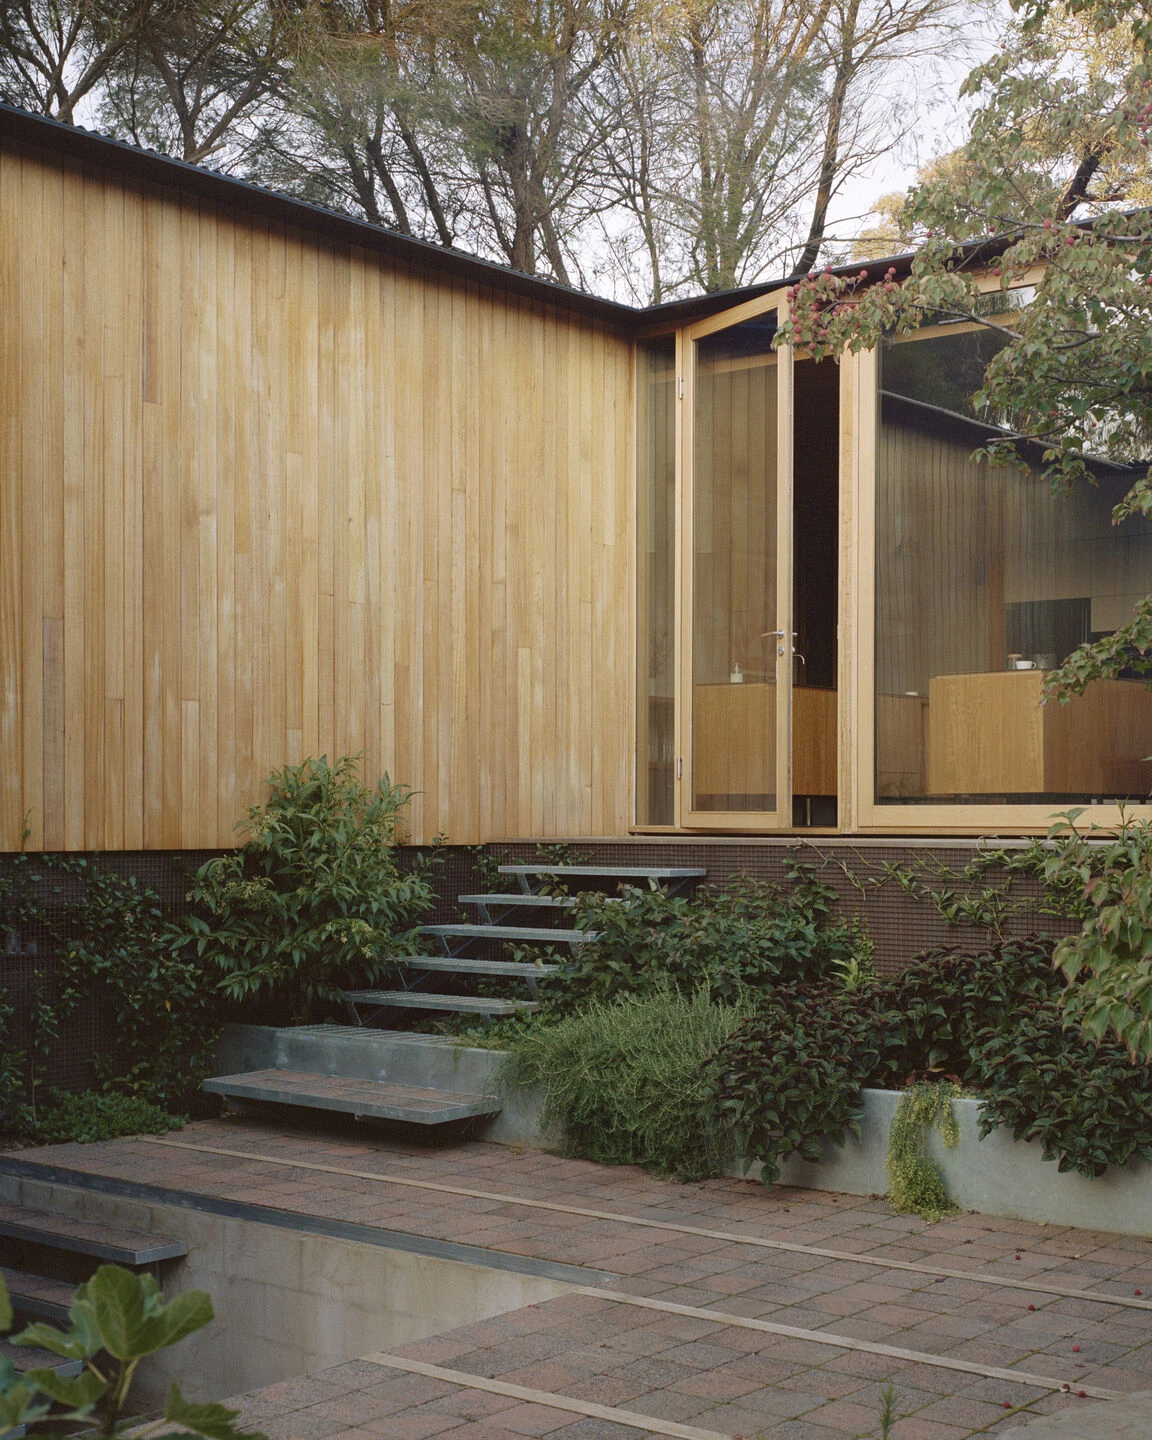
point(79, 1343)
point(211, 1421)
point(5, 1307)
point(132, 1319)
point(79, 1393)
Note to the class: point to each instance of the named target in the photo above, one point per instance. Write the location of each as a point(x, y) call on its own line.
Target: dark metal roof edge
point(26, 126)
point(88, 145)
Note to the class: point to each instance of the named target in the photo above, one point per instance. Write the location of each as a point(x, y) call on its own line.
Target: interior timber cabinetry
point(735, 738)
point(989, 734)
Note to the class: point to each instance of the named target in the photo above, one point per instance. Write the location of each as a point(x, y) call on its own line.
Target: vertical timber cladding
point(266, 496)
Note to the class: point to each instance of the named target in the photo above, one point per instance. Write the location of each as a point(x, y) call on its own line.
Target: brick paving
point(684, 1369)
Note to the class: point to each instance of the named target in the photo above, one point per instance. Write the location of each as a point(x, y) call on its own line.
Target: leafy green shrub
point(1086, 1104)
point(992, 1022)
point(118, 1319)
point(314, 901)
point(1109, 963)
point(106, 932)
point(791, 1075)
point(941, 1001)
point(742, 939)
point(629, 1082)
point(97, 1115)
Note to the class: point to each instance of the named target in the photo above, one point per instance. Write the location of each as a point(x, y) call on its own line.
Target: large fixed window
point(984, 581)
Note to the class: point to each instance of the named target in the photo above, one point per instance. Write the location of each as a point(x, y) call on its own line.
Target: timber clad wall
point(266, 496)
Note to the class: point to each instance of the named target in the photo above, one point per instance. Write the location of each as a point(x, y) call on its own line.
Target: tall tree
point(55, 53)
point(519, 98)
point(190, 83)
point(359, 107)
point(742, 119)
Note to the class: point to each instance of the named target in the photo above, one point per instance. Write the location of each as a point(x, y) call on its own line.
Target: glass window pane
point(985, 580)
point(734, 570)
point(656, 469)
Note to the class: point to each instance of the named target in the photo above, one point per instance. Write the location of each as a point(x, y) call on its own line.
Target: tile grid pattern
point(688, 1370)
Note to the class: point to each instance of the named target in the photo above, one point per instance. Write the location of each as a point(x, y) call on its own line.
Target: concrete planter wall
point(997, 1175)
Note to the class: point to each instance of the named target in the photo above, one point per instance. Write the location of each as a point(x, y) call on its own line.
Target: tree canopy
point(1050, 201)
point(647, 148)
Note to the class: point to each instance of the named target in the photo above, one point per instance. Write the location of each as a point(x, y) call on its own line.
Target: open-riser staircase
point(465, 950)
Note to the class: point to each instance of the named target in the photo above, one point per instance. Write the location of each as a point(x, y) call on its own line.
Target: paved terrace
point(706, 1361)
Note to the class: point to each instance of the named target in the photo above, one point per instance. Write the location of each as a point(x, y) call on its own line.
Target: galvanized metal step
point(37, 1298)
point(608, 872)
point(363, 1099)
point(424, 1000)
point(512, 932)
point(453, 965)
point(87, 1237)
point(550, 902)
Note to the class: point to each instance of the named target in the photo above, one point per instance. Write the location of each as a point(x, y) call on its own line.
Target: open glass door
point(736, 607)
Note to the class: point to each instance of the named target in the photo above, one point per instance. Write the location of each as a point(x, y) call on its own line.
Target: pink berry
point(1075, 1349)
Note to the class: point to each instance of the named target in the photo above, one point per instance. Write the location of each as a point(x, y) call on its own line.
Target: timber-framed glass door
point(735, 625)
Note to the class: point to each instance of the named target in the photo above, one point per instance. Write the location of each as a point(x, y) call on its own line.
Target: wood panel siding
point(266, 495)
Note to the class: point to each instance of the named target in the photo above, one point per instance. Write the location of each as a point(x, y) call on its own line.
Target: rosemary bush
point(630, 1081)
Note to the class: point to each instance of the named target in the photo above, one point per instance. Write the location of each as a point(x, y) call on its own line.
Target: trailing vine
point(983, 892)
point(915, 1181)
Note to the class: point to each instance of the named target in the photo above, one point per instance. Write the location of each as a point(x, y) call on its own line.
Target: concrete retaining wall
point(288, 1301)
point(997, 1175)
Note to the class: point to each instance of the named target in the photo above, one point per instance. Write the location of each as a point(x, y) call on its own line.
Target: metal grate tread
point(515, 969)
point(610, 872)
point(513, 932)
point(424, 1000)
point(364, 1099)
point(87, 1237)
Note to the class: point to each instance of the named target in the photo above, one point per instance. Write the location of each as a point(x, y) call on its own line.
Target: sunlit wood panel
point(265, 496)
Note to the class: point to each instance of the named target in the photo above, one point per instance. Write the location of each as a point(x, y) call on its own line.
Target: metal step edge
point(28, 1357)
point(425, 1000)
point(448, 1106)
point(514, 969)
point(615, 872)
point(22, 1289)
point(513, 932)
point(512, 898)
point(62, 1232)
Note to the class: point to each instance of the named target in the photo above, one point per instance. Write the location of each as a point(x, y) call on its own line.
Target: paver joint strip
point(848, 1342)
point(1004, 1281)
point(546, 1397)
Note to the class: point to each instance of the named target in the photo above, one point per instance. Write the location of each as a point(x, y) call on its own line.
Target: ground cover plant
point(763, 1057)
point(992, 1022)
point(64, 1117)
